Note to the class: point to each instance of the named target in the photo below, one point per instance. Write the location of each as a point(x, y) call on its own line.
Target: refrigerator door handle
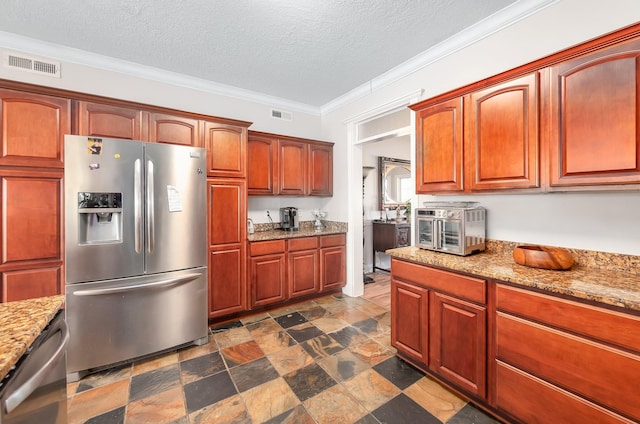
point(21, 393)
point(137, 205)
point(156, 284)
point(150, 207)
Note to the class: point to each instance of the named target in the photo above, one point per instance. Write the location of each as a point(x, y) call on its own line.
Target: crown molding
point(490, 25)
point(494, 23)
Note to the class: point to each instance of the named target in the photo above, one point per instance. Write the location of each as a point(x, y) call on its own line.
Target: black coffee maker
point(289, 219)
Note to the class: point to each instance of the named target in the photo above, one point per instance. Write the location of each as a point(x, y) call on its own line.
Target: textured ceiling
point(305, 51)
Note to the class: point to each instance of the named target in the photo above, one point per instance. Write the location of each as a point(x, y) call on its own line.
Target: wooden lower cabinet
point(528, 399)
point(227, 286)
point(267, 272)
point(565, 357)
point(410, 304)
point(333, 259)
point(303, 267)
point(445, 333)
point(283, 270)
point(226, 215)
point(457, 348)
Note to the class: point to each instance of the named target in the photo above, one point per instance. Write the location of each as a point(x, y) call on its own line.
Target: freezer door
point(103, 208)
point(176, 226)
point(120, 320)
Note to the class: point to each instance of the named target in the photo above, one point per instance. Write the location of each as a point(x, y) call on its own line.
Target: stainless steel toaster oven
point(457, 228)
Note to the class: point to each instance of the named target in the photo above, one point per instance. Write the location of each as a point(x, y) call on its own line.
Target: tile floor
point(323, 361)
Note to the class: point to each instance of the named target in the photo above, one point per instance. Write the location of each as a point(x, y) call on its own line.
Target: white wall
point(598, 220)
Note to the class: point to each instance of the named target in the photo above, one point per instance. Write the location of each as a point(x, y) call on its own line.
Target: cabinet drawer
point(306, 243)
point(258, 248)
point(598, 372)
point(598, 323)
point(535, 401)
point(332, 240)
point(473, 289)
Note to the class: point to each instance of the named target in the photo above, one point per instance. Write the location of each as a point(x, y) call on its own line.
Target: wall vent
point(33, 64)
point(281, 114)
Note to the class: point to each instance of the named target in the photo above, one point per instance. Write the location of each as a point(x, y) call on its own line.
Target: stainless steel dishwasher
point(35, 391)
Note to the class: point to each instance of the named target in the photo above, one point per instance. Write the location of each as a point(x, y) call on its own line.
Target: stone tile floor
point(323, 361)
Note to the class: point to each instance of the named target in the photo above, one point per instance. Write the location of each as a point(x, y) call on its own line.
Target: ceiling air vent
point(281, 114)
point(33, 64)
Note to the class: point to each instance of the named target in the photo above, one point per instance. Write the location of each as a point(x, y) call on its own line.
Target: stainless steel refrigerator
point(135, 250)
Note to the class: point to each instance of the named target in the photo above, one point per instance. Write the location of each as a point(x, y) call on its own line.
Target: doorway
point(387, 122)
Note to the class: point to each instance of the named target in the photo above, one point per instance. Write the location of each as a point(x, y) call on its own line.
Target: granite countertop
point(20, 323)
point(610, 285)
point(265, 232)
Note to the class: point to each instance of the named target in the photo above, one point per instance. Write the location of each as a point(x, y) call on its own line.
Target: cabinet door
point(595, 116)
point(227, 280)
point(173, 129)
point(501, 136)
point(410, 320)
point(262, 165)
point(31, 283)
point(332, 267)
point(32, 216)
point(33, 128)
point(226, 150)
point(303, 272)
point(320, 170)
point(101, 120)
point(439, 148)
point(292, 167)
point(226, 211)
point(267, 279)
point(457, 343)
point(227, 240)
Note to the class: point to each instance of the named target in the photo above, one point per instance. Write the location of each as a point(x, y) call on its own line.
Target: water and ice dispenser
point(99, 218)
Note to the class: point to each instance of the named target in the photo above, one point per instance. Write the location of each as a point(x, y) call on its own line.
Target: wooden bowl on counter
point(544, 257)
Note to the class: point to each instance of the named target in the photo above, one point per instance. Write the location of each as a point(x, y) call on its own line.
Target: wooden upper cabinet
point(102, 120)
point(263, 163)
point(501, 136)
point(439, 147)
point(292, 167)
point(33, 128)
point(595, 118)
point(173, 129)
point(226, 150)
point(320, 170)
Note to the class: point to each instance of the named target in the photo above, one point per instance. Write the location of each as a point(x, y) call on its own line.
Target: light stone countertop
point(610, 279)
point(21, 322)
point(264, 232)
